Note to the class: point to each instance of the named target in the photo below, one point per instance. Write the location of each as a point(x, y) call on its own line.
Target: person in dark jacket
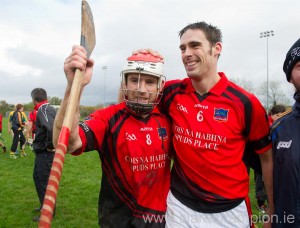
point(285, 134)
point(17, 126)
point(42, 144)
point(260, 192)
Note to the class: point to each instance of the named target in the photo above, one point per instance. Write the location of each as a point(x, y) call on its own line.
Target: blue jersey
point(285, 135)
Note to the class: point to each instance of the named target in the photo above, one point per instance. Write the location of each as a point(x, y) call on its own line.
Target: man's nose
point(142, 86)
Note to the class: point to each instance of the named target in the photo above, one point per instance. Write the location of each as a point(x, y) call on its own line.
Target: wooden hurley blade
point(88, 36)
point(88, 41)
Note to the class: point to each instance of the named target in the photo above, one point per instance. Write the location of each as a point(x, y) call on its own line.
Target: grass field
point(77, 198)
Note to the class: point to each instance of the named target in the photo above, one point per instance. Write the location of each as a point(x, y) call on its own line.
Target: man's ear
point(218, 48)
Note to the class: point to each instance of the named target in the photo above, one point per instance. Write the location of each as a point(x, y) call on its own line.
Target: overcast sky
point(37, 35)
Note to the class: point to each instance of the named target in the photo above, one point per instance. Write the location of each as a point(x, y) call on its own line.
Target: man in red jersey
point(0, 123)
point(212, 120)
point(133, 140)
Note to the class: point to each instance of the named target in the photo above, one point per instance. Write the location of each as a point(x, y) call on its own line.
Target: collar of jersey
point(218, 88)
point(41, 103)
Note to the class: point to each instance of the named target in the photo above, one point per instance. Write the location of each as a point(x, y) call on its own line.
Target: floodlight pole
point(267, 34)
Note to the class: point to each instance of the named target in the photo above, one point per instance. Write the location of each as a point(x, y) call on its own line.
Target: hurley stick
point(88, 41)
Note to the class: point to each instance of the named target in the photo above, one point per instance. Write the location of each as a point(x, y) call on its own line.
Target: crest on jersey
point(221, 114)
point(162, 133)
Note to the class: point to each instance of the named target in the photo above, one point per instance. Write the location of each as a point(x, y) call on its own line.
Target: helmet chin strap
point(140, 109)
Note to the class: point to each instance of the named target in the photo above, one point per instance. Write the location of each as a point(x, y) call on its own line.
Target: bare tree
point(276, 94)
point(244, 83)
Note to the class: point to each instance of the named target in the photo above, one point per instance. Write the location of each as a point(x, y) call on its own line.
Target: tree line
point(276, 96)
point(5, 108)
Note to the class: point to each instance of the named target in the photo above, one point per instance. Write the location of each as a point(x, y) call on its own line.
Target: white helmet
point(143, 64)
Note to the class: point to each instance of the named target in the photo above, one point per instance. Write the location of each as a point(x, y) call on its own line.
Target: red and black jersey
point(0, 122)
point(135, 164)
point(210, 132)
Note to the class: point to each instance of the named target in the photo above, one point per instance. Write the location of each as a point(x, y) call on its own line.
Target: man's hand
point(150, 51)
point(78, 60)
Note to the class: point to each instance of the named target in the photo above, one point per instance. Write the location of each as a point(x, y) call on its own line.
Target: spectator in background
point(260, 192)
point(42, 144)
point(9, 130)
point(1, 123)
point(1, 143)
point(276, 111)
point(17, 127)
point(24, 119)
point(285, 134)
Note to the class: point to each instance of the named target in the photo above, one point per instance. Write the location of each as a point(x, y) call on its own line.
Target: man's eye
point(150, 82)
point(195, 45)
point(134, 80)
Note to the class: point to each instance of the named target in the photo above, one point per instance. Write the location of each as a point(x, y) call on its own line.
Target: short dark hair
point(212, 33)
point(39, 95)
point(19, 106)
point(277, 109)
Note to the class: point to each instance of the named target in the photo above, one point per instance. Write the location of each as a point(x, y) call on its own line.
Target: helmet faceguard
point(145, 64)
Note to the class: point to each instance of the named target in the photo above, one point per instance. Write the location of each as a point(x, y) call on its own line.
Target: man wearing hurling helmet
point(142, 82)
point(133, 139)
